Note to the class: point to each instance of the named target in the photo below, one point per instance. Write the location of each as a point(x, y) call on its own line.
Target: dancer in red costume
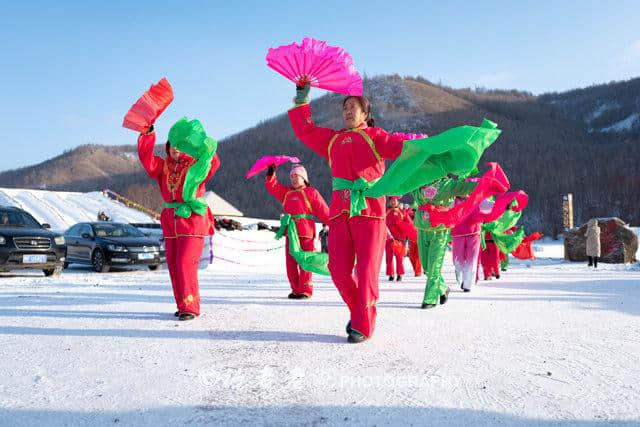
point(412, 236)
point(356, 156)
point(186, 219)
point(395, 220)
point(302, 202)
point(490, 258)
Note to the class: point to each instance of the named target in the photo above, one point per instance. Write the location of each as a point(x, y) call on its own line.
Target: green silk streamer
point(423, 161)
point(509, 242)
point(315, 262)
point(190, 138)
point(358, 192)
point(198, 206)
point(505, 242)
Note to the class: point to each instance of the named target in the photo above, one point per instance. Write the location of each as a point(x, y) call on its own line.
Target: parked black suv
point(104, 244)
point(26, 244)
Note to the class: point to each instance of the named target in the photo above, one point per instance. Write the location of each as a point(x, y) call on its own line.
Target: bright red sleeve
point(493, 182)
point(388, 146)
point(410, 229)
point(319, 206)
point(276, 189)
point(503, 202)
point(215, 164)
point(151, 163)
point(314, 137)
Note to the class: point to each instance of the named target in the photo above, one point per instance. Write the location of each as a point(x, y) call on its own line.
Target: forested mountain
point(584, 141)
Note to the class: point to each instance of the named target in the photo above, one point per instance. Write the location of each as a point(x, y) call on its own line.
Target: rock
point(618, 243)
point(227, 224)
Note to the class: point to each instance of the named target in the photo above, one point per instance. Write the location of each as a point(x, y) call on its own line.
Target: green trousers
point(432, 246)
point(504, 264)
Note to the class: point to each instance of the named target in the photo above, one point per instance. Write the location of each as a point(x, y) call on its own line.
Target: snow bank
point(62, 209)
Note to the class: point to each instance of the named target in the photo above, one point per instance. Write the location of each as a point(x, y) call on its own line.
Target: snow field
point(550, 343)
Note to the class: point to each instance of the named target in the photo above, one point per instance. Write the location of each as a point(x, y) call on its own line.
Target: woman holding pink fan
point(302, 202)
point(356, 156)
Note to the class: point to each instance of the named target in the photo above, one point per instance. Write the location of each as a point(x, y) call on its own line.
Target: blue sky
point(70, 70)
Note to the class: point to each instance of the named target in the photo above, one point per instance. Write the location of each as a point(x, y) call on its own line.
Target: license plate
point(145, 256)
point(34, 259)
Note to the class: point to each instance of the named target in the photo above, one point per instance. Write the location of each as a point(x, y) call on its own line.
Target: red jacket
point(400, 225)
point(170, 176)
point(296, 202)
point(395, 223)
point(351, 153)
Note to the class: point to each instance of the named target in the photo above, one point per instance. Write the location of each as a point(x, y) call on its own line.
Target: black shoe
point(349, 330)
point(466, 290)
point(303, 296)
point(462, 286)
point(444, 298)
point(399, 278)
point(425, 306)
point(292, 296)
point(497, 276)
point(186, 316)
point(356, 337)
point(177, 313)
point(391, 278)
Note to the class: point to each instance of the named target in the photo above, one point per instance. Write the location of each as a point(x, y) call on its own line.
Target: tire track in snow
point(52, 209)
point(15, 201)
point(72, 208)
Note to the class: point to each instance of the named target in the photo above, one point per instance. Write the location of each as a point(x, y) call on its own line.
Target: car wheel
point(98, 262)
point(56, 271)
point(154, 267)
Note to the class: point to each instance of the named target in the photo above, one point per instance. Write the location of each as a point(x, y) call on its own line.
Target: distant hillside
point(612, 108)
point(583, 141)
point(542, 149)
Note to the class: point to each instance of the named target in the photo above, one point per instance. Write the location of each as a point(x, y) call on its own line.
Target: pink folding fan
point(314, 61)
point(264, 162)
point(406, 136)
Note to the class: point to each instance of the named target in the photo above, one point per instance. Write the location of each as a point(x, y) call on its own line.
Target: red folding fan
point(150, 105)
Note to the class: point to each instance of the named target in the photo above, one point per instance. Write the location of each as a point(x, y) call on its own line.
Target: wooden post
point(567, 211)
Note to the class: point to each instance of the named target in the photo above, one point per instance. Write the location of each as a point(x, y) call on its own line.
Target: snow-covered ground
point(550, 343)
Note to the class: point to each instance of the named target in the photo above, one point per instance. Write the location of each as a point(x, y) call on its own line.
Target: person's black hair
point(366, 107)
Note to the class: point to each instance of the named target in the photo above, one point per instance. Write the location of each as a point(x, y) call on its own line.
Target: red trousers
point(183, 256)
point(299, 279)
point(362, 238)
point(390, 257)
point(414, 257)
point(490, 258)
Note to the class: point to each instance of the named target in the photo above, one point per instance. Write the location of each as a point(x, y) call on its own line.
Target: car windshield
point(10, 218)
point(116, 230)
